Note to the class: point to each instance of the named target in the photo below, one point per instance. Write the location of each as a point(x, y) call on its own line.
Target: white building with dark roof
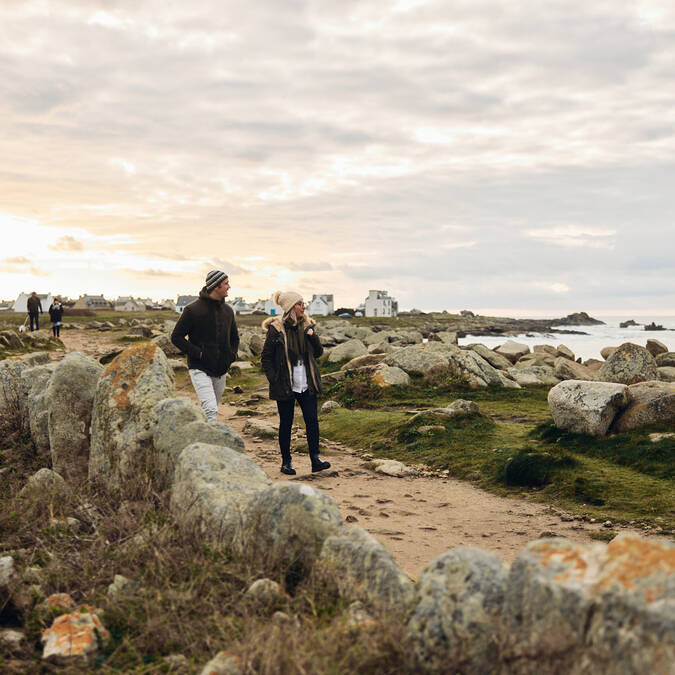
point(240, 306)
point(183, 301)
point(126, 303)
point(91, 302)
point(46, 299)
point(321, 305)
point(380, 303)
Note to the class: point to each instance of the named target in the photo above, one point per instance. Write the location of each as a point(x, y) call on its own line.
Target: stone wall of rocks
point(560, 607)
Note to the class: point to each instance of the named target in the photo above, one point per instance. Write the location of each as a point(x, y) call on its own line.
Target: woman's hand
point(309, 331)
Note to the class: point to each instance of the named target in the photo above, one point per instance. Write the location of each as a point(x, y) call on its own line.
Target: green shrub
point(533, 469)
point(356, 388)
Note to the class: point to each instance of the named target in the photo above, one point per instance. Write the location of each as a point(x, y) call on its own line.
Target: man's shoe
point(320, 466)
point(287, 469)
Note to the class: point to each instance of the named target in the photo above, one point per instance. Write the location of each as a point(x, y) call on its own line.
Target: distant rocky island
point(492, 325)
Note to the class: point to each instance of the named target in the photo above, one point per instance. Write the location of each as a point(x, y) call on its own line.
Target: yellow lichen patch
point(73, 636)
point(125, 369)
point(631, 558)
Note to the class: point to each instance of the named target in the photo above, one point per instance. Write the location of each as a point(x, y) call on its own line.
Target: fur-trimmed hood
point(278, 323)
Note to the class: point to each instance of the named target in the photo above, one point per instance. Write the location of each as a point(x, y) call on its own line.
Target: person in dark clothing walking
point(34, 307)
point(289, 361)
point(55, 315)
point(212, 341)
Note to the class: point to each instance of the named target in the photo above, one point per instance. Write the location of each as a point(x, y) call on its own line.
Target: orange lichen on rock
point(632, 560)
point(379, 380)
point(572, 558)
point(73, 637)
point(125, 369)
point(60, 601)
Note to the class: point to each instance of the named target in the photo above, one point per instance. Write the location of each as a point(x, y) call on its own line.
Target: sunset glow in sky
point(460, 154)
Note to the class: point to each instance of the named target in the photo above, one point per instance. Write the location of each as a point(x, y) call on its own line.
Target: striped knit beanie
point(214, 278)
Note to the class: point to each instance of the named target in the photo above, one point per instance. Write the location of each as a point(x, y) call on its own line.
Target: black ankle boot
point(318, 465)
point(288, 469)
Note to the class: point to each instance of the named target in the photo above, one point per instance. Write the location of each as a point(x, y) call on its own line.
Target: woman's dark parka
point(213, 338)
point(276, 364)
point(55, 312)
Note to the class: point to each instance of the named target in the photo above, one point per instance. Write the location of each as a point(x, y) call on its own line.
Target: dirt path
point(417, 519)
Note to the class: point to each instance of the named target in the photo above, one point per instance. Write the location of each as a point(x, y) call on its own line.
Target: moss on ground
point(515, 450)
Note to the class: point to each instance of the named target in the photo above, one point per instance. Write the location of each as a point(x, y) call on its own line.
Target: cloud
point(141, 274)
point(575, 236)
point(17, 260)
point(310, 267)
point(67, 243)
point(452, 152)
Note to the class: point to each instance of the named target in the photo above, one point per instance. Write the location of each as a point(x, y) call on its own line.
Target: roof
point(186, 299)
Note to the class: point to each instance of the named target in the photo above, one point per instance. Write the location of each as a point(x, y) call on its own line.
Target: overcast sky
point(492, 155)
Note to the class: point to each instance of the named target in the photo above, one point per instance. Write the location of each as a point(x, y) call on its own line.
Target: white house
point(127, 304)
point(167, 303)
point(91, 302)
point(240, 306)
point(268, 306)
point(46, 299)
point(321, 305)
point(379, 303)
point(184, 300)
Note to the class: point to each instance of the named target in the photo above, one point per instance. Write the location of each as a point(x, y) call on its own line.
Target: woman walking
point(289, 361)
point(55, 315)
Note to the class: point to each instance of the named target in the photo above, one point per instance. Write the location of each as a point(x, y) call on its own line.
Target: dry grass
point(189, 598)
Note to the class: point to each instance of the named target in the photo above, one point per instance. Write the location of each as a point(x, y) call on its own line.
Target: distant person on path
point(212, 340)
point(34, 307)
point(289, 361)
point(55, 315)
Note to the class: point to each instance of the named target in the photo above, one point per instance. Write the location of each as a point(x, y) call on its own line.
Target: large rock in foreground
point(365, 570)
point(122, 419)
point(212, 486)
point(180, 423)
point(34, 387)
point(648, 403)
point(629, 364)
point(11, 396)
point(70, 399)
point(287, 524)
point(586, 407)
point(458, 607)
point(574, 608)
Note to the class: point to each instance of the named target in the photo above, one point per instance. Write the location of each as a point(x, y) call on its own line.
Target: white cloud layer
point(467, 154)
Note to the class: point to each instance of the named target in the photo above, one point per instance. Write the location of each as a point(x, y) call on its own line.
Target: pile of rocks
point(12, 341)
point(561, 607)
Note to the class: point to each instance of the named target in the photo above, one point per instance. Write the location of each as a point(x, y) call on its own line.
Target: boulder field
point(559, 607)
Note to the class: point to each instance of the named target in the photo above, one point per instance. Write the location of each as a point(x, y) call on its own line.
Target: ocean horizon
point(588, 346)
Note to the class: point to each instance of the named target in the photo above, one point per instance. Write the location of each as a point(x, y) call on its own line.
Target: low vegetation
point(188, 598)
point(512, 448)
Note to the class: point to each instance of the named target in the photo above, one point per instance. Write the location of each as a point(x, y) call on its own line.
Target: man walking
point(34, 307)
point(212, 340)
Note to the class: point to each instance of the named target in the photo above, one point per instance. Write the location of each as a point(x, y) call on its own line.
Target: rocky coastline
point(478, 325)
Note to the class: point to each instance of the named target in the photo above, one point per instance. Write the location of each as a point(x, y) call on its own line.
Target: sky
point(506, 157)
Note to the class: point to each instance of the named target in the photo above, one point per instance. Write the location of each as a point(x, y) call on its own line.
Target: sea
point(588, 346)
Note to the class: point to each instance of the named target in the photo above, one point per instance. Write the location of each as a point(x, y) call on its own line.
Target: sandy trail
point(416, 518)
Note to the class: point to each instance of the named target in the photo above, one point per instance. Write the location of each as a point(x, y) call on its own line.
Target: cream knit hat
point(286, 299)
